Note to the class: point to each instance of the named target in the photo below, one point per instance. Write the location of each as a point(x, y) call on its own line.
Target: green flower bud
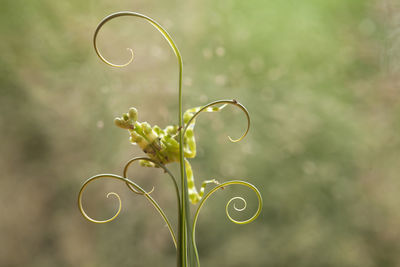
point(135, 138)
point(120, 123)
point(189, 133)
point(125, 116)
point(132, 139)
point(133, 114)
point(187, 117)
point(146, 128)
point(134, 133)
point(170, 143)
point(171, 130)
point(158, 130)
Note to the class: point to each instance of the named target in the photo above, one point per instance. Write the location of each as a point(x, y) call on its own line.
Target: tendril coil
point(163, 32)
point(218, 102)
point(134, 188)
point(232, 200)
point(186, 231)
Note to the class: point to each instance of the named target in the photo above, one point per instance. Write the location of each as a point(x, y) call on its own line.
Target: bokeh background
point(320, 78)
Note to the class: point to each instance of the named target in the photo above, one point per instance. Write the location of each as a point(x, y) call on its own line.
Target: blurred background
point(320, 79)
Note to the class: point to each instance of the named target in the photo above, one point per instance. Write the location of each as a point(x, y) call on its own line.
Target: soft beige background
point(319, 77)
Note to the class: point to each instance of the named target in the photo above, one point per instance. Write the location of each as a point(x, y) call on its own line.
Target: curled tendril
point(166, 170)
point(128, 164)
point(231, 102)
point(223, 185)
point(234, 205)
point(112, 176)
point(134, 14)
point(132, 185)
point(107, 220)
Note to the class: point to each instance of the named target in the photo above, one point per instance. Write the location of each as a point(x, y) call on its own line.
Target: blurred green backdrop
point(319, 77)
